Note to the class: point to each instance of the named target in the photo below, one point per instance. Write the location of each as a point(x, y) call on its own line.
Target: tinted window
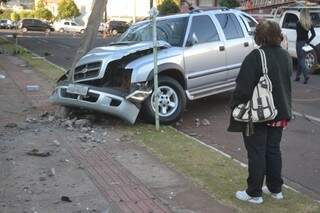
point(66, 23)
point(203, 29)
point(315, 17)
point(290, 21)
point(73, 24)
point(230, 26)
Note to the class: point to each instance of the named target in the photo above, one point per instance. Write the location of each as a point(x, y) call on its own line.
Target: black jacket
point(279, 65)
point(302, 34)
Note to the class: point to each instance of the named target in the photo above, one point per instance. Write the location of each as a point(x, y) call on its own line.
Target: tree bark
point(90, 36)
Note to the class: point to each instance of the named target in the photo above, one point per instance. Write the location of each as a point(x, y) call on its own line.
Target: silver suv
point(200, 54)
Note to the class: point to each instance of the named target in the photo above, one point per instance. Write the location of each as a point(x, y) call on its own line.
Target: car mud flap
point(97, 100)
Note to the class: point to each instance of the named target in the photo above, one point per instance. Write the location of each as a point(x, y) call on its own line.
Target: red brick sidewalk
point(117, 183)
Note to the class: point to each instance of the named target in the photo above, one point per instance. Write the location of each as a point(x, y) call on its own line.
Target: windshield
point(315, 17)
point(169, 30)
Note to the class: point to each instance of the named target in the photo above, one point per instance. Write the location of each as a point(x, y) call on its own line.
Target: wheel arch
point(172, 70)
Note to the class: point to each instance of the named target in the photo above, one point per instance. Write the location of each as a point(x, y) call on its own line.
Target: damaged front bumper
point(95, 98)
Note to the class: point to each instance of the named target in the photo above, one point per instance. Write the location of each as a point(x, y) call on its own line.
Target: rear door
point(74, 27)
point(205, 57)
point(238, 43)
point(66, 26)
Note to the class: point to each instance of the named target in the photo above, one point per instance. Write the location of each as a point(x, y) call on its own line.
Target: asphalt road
point(300, 145)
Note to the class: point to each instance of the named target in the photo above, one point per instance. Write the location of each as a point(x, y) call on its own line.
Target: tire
point(48, 30)
point(24, 29)
point(311, 60)
point(61, 30)
point(172, 113)
point(82, 31)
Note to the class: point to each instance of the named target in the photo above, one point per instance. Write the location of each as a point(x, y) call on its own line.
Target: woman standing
point(263, 147)
point(304, 25)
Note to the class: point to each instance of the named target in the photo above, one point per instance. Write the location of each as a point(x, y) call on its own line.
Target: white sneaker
point(242, 195)
point(277, 196)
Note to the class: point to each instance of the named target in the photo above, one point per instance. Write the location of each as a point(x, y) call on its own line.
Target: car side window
point(66, 23)
point(73, 24)
point(203, 30)
point(290, 21)
point(252, 24)
point(230, 26)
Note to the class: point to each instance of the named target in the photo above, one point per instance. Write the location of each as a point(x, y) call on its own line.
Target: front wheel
point(171, 99)
point(82, 31)
point(24, 29)
point(311, 59)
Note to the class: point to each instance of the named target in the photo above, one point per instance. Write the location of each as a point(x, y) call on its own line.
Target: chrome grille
point(86, 71)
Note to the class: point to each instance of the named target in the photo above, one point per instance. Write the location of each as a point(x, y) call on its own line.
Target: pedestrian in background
point(263, 146)
point(304, 26)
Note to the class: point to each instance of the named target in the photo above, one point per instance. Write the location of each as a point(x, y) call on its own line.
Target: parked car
point(287, 17)
point(6, 24)
point(34, 25)
point(69, 26)
point(199, 54)
point(115, 27)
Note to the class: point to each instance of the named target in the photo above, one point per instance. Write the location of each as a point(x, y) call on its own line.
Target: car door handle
point(246, 44)
point(221, 48)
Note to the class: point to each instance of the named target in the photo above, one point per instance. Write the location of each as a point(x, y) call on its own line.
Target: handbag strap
point(263, 62)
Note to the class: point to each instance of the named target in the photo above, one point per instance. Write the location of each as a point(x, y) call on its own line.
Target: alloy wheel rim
point(310, 60)
point(168, 101)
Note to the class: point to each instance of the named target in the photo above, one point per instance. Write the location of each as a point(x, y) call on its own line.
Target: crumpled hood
point(114, 52)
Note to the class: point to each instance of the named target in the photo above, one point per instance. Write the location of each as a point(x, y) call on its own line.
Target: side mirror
point(192, 40)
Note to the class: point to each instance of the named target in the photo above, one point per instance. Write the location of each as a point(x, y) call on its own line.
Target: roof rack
point(203, 9)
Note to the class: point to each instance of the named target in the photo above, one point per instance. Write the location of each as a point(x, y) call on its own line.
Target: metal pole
point(154, 13)
point(134, 10)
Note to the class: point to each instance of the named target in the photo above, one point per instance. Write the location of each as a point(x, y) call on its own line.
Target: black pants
point(264, 159)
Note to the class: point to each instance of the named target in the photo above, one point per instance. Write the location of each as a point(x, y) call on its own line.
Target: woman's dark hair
point(268, 33)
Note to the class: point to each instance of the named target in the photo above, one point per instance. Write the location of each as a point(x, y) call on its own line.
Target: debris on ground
point(66, 199)
point(36, 152)
point(11, 125)
point(56, 142)
point(31, 120)
point(197, 121)
point(82, 123)
point(52, 172)
point(32, 88)
point(206, 122)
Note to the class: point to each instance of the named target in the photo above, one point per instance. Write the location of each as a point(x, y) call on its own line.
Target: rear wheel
point(61, 30)
point(311, 59)
point(82, 31)
point(172, 101)
point(24, 29)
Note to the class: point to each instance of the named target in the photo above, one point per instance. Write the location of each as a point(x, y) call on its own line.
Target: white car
point(69, 26)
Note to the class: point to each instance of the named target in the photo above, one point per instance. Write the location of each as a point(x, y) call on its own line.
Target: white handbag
point(261, 106)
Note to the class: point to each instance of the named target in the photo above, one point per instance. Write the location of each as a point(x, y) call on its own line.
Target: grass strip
point(49, 71)
point(219, 175)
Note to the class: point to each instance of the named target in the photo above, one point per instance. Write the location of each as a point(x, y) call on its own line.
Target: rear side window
point(290, 21)
point(203, 28)
point(66, 23)
point(230, 26)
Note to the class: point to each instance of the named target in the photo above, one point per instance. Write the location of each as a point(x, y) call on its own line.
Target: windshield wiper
point(121, 43)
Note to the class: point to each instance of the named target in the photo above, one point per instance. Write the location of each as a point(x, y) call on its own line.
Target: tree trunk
point(90, 36)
